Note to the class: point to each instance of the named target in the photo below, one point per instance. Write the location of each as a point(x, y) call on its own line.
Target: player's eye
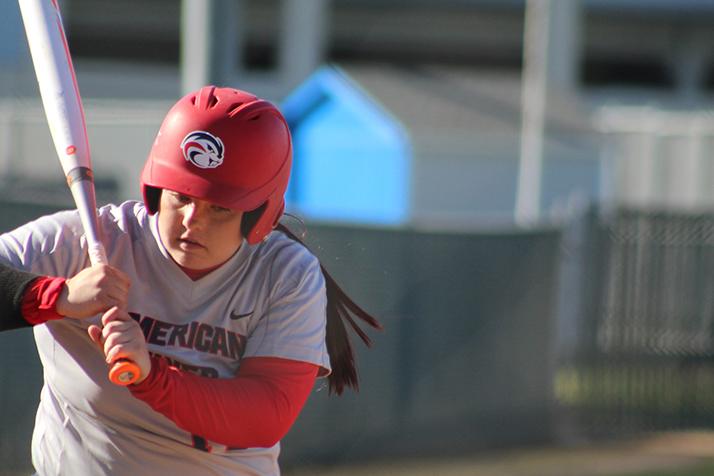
point(218, 209)
point(180, 197)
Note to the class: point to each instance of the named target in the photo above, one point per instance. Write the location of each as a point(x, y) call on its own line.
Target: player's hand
point(122, 338)
point(93, 290)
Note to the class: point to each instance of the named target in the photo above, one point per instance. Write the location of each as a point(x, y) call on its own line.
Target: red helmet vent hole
point(234, 108)
point(254, 118)
point(212, 101)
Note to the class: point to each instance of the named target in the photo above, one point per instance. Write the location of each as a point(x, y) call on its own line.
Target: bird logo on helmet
point(202, 149)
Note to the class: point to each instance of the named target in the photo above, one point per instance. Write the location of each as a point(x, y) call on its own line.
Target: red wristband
point(39, 303)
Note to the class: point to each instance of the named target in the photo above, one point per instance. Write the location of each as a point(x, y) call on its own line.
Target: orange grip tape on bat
point(124, 372)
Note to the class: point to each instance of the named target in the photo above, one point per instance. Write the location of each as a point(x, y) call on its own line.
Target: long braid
point(340, 309)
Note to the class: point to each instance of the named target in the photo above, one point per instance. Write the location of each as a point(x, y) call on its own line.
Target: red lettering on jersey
point(236, 345)
point(203, 336)
point(219, 345)
point(196, 335)
point(158, 333)
point(192, 335)
point(146, 323)
point(178, 336)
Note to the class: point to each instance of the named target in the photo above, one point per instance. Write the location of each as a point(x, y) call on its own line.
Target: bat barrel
point(57, 82)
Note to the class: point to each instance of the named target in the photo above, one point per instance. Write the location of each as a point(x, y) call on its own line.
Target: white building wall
point(656, 158)
point(120, 136)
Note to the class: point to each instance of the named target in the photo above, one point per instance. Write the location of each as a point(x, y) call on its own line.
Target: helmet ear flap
point(250, 219)
point(152, 195)
point(258, 223)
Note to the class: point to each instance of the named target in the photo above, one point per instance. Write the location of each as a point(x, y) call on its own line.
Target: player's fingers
point(109, 300)
point(114, 314)
point(117, 327)
point(114, 286)
point(122, 350)
point(120, 333)
point(121, 278)
point(95, 333)
point(118, 298)
point(110, 282)
point(107, 272)
point(117, 339)
point(116, 353)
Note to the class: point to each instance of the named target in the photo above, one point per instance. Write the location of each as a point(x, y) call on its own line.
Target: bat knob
point(124, 372)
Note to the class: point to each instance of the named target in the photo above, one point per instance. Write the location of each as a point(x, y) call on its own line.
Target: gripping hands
point(93, 290)
point(103, 288)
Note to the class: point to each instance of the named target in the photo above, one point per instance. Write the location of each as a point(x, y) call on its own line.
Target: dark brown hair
point(341, 309)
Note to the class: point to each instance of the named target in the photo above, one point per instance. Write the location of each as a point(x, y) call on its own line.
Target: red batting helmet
point(225, 146)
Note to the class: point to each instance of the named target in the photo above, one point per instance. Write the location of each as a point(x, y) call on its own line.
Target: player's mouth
point(189, 244)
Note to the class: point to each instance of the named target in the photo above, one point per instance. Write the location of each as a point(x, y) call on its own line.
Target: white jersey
point(267, 300)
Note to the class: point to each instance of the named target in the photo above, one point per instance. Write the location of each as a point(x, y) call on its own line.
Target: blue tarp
point(352, 158)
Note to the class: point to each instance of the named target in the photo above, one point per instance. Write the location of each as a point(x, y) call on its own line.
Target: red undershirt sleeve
point(256, 408)
point(39, 303)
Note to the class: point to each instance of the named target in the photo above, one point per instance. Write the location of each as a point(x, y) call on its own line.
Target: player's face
point(196, 233)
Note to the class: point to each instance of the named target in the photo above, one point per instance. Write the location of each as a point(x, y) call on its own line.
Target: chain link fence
point(644, 357)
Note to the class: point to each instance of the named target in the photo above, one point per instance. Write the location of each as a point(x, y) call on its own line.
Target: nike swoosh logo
point(235, 316)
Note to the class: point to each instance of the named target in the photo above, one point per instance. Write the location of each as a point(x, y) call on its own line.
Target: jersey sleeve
point(49, 246)
point(39, 304)
point(293, 325)
point(52, 245)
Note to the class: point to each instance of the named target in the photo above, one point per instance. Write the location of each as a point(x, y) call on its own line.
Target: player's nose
point(194, 216)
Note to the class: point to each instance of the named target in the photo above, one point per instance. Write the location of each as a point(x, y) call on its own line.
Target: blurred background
point(521, 190)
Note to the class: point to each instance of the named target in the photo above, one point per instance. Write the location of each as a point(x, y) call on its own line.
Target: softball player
point(225, 317)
